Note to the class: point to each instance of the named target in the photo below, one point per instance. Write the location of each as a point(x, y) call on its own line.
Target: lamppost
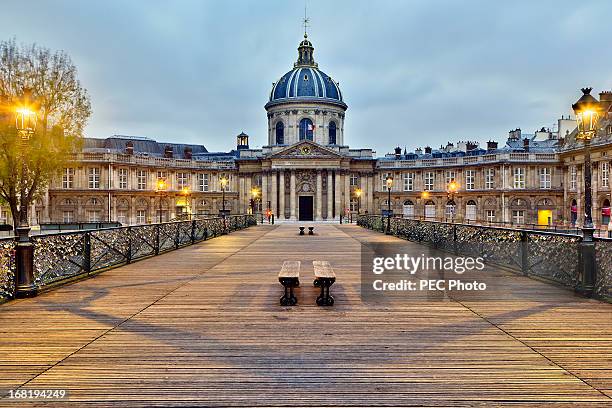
point(389, 182)
point(161, 189)
point(254, 198)
point(451, 190)
point(223, 181)
point(186, 193)
point(25, 122)
point(358, 193)
point(587, 110)
point(424, 196)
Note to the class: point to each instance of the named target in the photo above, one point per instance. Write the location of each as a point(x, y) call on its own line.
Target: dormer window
point(305, 77)
point(609, 129)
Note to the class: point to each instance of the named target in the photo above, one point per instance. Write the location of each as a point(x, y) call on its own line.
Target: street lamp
point(389, 183)
point(186, 193)
point(254, 197)
point(161, 187)
point(25, 123)
point(224, 182)
point(588, 111)
point(358, 193)
point(451, 190)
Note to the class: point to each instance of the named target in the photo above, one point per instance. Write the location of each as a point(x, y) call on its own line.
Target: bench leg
point(288, 298)
point(325, 299)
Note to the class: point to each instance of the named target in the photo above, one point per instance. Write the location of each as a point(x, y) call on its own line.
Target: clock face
point(306, 150)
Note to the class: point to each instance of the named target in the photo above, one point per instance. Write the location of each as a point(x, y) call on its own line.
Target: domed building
point(305, 104)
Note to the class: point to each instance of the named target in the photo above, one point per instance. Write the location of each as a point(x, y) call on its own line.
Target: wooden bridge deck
point(202, 326)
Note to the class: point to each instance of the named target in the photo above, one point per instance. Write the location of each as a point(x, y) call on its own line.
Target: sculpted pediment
point(306, 150)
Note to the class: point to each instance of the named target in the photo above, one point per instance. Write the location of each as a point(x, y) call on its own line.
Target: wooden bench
point(324, 278)
point(302, 230)
point(289, 277)
point(310, 230)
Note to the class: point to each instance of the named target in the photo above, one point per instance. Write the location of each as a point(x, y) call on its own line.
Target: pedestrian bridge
point(202, 325)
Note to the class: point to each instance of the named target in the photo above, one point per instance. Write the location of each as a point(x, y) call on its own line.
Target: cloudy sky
point(412, 72)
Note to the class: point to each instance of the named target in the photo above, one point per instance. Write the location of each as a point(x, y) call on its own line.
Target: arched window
point(470, 211)
point(408, 209)
point(450, 209)
point(306, 129)
point(430, 209)
point(280, 133)
point(332, 133)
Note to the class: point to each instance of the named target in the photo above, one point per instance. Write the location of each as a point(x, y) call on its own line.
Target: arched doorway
point(450, 209)
point(470, 211)
point(430, 209)
point(408, 209)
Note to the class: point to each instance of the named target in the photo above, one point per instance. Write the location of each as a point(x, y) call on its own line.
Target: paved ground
point(202, 326)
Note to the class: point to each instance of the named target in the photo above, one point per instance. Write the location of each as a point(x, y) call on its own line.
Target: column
point(274, 196)
point(338, 195)
point(330, 195)
point(370, 200)
point(241, 193)
point(264, 191)
point(319, 197)
point(292, 196)
point(281, 195)
point(347, 192)
point(247, 192)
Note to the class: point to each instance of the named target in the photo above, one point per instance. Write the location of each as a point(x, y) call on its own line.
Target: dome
point(305, 81)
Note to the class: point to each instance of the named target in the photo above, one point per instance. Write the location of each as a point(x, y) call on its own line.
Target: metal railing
point(64, 256)
point(562, 258)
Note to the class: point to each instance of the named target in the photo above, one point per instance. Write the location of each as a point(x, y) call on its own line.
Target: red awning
point(605, 211)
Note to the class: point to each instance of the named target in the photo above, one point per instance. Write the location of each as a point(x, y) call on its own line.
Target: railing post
point(87, 252)
point(524, 253)
point(157, 243)
point(589, 272)
point(193, 231)
point(128, 256)
point(455, 239)
point(24, 258)
point(177, 235)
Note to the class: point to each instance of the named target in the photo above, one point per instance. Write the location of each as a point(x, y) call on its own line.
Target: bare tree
point(46, 81)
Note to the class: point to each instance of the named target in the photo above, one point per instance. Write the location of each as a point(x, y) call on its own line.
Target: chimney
point(398, 153)
point(491, 145)
point(471, 146)
point(427, 150)
point(515, 134)
point(129, 148)
point(168, 152)
point(526, 144)
point(605, 100)
point(187, 153)
point(242, 141)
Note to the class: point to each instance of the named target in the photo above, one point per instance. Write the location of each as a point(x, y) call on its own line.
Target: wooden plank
point(202, 326)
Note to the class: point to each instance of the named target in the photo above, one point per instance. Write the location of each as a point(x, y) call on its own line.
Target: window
point(280, 133)
point(573, 177)
point(68, 217)
point(470, 211)
point(408, 181)
point(519, 177)
point(3, 216)
point(93, 216)
point(141, 216)
point(203, 181)
point(518, 216)
point(470, 176)
point(94, 177)
point(450, 209)
point(182, 180)
point(430, 209)
point(123, 179)
point(605, 174)
point(306, 129)
point(141, 179)
point(354, 180)
point(353, 205)
point(68, 178)
point(332, 133)
point(450, 176)
point(490, 179)
point(408, 209)
point(610, 129)
point(383, 178)
point(429, 180)
point(545, 177)
point(122, 217)
point(491, 215)
point(162, 174)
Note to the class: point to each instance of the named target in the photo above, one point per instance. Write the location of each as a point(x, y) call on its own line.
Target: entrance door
point(305, 208)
